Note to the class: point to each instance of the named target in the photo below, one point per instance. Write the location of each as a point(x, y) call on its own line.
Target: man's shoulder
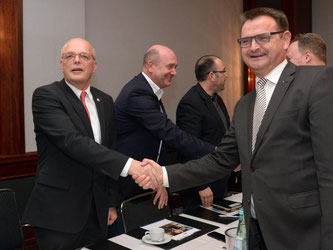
point(192, 95)
point(54, 86)
point(138, 85)
point(96, 91)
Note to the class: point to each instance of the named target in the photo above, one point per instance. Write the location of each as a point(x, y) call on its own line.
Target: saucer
point(146, 239)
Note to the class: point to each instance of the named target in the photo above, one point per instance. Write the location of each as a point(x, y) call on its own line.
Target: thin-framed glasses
point(83, 56)
point(260, 39)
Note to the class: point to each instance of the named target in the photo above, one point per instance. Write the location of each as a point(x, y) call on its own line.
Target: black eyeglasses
point(217, 71)
point(260, 39)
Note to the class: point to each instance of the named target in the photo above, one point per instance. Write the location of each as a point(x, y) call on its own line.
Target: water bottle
point(241, 239)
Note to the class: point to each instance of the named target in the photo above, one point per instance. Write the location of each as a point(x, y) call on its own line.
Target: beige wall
point(122, 31)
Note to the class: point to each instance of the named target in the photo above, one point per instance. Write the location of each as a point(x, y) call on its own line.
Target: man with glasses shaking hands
point(282, 135)
point(75, 191)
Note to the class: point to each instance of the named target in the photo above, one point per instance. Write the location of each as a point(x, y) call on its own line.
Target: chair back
point(140, 210)
point(11, 235)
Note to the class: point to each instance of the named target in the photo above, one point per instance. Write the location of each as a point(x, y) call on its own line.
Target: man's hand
point(206, 197)
point(162, 195)
point(151, 175)
point(112, 216)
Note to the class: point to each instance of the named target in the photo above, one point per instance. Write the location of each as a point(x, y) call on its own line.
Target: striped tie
point(259, 109)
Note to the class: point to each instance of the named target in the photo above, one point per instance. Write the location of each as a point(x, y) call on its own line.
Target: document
point(175, 230)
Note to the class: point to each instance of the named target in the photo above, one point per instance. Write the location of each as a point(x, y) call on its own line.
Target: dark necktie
point(83, 100)
point(219, 111)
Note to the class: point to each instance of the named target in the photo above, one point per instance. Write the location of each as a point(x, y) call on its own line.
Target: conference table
point(201, 218)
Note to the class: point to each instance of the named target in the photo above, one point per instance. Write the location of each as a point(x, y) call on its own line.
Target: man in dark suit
point(143, 128)
point(286, 158)
point(202, 113)
point(75, 191)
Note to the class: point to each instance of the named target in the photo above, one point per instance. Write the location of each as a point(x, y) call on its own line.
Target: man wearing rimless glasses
point(282, 135)
point(75, 192)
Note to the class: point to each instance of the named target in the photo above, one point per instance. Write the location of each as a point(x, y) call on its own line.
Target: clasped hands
point(147, 174)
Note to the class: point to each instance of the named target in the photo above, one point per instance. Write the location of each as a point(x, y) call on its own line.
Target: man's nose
point(254, 45)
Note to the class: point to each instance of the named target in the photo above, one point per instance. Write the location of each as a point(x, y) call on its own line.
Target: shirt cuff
point(124, 172)
point(165, 177)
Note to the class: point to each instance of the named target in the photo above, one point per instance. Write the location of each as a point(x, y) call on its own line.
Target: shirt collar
point(78, 92)
point(157, 91)
point(275, 74)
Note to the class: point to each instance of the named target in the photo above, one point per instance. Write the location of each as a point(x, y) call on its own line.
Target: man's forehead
point(258, 25)
point(77, 46)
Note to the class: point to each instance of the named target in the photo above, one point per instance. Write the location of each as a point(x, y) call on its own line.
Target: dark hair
point(204, 65)
point(279, 17)
point(312, 42)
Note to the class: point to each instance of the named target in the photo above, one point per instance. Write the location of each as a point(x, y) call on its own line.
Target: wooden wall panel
point(11, 78)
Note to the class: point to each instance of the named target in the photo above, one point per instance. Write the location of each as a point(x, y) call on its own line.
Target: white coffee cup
point(156, 234)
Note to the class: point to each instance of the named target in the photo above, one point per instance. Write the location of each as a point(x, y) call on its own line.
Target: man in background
point(202, 113)
point(75, 191)
point(143, 128)
point(307, 49)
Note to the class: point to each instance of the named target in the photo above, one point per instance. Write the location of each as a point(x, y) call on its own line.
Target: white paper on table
point(189, 230)
point(131, 242)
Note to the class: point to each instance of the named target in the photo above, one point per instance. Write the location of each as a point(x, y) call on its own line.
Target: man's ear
point(286, 37)
point(150, 66)
point(307, 56)
point(211, 76)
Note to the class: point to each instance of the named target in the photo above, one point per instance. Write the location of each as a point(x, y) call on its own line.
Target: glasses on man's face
point(218, 71)
point(260, 39)
point(83, 56)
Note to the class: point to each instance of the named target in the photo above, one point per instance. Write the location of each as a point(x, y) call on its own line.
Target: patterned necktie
point(259, 109)
point(83, 100)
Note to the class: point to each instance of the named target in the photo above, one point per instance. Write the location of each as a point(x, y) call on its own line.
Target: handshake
point(147, 174)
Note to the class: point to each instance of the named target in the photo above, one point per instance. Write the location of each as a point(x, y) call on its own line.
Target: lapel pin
point(98, 99)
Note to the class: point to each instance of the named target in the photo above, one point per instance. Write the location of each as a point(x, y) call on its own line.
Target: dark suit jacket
point(197, 115)
point(290, 172)
point(74, 172)
point(141, 125)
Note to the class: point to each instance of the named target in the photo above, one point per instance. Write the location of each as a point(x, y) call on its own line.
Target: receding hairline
point(152, 54)
point(81, 39)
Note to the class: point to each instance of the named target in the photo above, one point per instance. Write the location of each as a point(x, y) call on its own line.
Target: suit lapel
point(78, 107)
point(281, 88)
point(249, 120)
point(100, 110)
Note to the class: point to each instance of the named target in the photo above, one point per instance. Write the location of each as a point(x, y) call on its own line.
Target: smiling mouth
point(256, 56)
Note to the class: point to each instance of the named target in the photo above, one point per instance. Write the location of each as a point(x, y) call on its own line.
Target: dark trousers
point(91, 233)
point(256, 240)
